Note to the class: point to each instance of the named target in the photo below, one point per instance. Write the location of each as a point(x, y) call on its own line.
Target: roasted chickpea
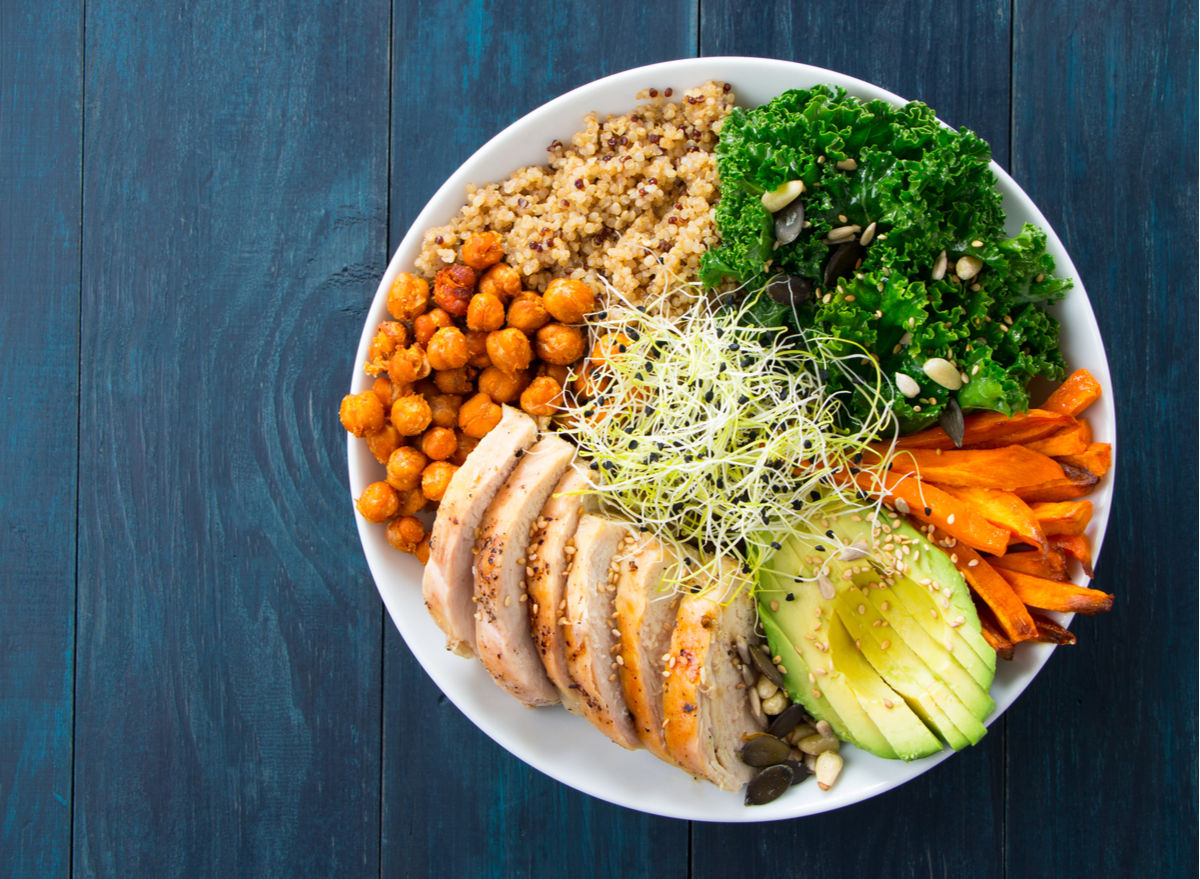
point(439, 443)
point(385, 442)
point(448, 349)
point(378, 502)
point(425, 387)
point(429, 323)
point(559, 344)
point(561, 374)
point(477, 345)
point(362, 414)
point(509, 349)
point(411, 415)
point(502, 281)
point(444, 408)
point(405, 532)
point(542, 397)
point(466, 445)
point(436, 479)
point(409, 365)
point(568, 300)
point(455, 381)
point(383, 390)
point(409, 297)
point(527, 313)
point(502, 387)
point(412, 501)
point(486, 312)
point(422, 551)
point(453, 287)
point(404, 468)
point(390, 336)
point(479, 415)
point(483, 249)
point(607, 346)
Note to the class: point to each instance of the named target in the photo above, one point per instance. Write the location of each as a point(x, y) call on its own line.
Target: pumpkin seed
point(951, 420)
point(767, 668)
point(769, 785)
point(844, 259)
point(800, 772)
point(787, 721)
point(789, 290)
point(789, 221)
point(764, 751)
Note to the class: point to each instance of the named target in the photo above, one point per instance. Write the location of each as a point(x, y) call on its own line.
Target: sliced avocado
point(929, 613)
point(827, 696)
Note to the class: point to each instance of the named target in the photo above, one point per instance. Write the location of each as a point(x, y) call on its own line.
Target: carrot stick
point(1052, 595)
point(1074, 395)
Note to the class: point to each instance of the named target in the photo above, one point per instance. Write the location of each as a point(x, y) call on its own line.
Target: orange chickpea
point(362, 414)
point(448, 349)
point(477, 345)
point(527, 313)
point(502, 281)
point(409, 297)
point(439, 443)
point(385, 442)
point(436, 479)
point(409, 365)
point(422, 551)
point(466, 445)
point(429, 323)
point(405, 532)
point(568, 300)
point(479, 415)
point(486, 312)
point(453, 287)
point(542, 397)
point(454, 381)
point(390, 336)
point(561, 374)
point(559, 344)
point(404, 468)
point(483, 249)
point(378, 502)
point(383, 390)
point(509, 349)
point(412, 501)
point(411, 415)
point(502, 387)
point(444, 409)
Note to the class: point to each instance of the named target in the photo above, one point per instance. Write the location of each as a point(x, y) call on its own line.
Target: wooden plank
point(467, 808)
point(915, 50)
point(1105, 140)
point(229, 674)
point(41, 62)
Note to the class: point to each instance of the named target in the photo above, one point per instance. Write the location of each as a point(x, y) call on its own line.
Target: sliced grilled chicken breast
point(590, 627)
point(646, 620)
point(704, 698)
point(449, 582)
point(554, 539)
point(503, 638)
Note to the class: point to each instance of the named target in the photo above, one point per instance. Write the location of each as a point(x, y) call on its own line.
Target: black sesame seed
point(858, 459)
point(797, 504)
point(594, 466)
point(791, 596)
point(633, 334)
point(776, 545)
point(633, 444)
point(708, 396)
point(814, 496)
point(808, 444)
point(520, 452)
point(820, 548)
point(929, 511)
point(743, 400)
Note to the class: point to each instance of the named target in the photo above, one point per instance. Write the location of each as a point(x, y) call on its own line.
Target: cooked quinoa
point(630, 198)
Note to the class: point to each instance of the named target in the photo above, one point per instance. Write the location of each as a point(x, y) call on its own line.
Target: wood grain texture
point(465, 807)
point(229, 669)
point(41, 68)
point(1102, 764)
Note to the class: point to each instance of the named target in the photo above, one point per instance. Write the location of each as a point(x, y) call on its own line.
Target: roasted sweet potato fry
point(1010, 613)
point(1051, 595)
point(1071, 440)
point(990, 430)
point(1051, 632)
point(1063, 517)
point(1004, 510)
point(991, 631)
point(930, 504)
point(1006, 468)
point(1074, 395)
point(1052, 564)
point(1095, 460)
point(1077, 483)
point(1077, 546)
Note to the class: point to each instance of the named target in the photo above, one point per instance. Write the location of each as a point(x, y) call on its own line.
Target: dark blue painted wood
point(464, 807)
point(1102, 765)
point(235, 185)
point(41, 63)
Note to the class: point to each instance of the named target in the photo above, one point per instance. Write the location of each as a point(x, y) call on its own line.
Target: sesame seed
point(888, 703)
point(886, 644)
point(507, 600)
point(972, 563)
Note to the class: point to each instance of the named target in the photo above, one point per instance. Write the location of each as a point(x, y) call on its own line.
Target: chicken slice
point(646, 620)
point(547, 584)
point(589, 627)
point(449, 582)
point(704, 698)
point(503, 638)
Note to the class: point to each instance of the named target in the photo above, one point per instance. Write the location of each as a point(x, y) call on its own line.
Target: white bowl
point(564, 746)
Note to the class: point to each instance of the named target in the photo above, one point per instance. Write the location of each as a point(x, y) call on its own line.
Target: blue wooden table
point(197, 198)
